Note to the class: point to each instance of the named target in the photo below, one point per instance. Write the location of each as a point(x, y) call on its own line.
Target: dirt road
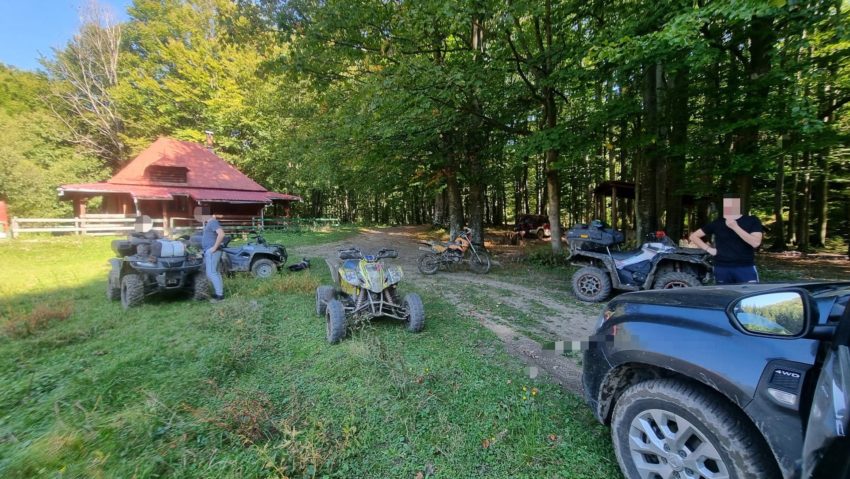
point(526, 316)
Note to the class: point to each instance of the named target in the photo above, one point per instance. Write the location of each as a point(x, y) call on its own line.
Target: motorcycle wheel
point(591, 284)
point(428, 263)
point(479, 263)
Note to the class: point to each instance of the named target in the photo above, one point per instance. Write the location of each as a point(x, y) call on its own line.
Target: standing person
point(211, 242)
point(736, 237)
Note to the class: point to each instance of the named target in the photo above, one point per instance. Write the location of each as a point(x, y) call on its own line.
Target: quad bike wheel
point(480, 263)
point(415, 312)
point(132, 291)
point(263, 268)
point(591, 284)
point(200, 286)
point(685, 430)
point(428, 263)
point(113, 287)
point(676, 279)
point(335, 321)
point(323, 295)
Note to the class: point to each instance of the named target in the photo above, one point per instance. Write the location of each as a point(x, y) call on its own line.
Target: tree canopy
point(474, 112)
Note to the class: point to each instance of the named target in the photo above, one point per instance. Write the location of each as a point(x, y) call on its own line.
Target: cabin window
point(167, 174)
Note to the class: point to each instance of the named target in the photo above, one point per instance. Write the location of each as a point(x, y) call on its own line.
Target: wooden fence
point(88, 225)
point(119, 224)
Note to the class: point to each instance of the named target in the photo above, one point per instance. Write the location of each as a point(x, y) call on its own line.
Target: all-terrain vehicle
point(261, 258)
point(445, 255)
point(657, 264)
point(147, 264)
point(364, 288)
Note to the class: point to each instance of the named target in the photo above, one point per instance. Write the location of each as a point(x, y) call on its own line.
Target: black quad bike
point(147, 264)
point(364, 288)
point(448, 255)
point(657, 264)
point(259, 257)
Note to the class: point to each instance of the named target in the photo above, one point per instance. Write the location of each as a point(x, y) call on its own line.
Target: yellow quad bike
point(364, 288)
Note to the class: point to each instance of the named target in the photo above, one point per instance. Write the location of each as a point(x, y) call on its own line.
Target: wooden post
point(614, 207)
point(165, 222)
point(15, 227)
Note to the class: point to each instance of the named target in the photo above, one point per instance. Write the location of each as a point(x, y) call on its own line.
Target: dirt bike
point(365, 288)
point(657, 264)
point(440, 254)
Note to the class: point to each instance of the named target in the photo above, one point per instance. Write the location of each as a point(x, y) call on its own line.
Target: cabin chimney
point(209, 139)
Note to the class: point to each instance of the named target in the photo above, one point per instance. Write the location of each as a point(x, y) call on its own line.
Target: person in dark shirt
point(736, 238)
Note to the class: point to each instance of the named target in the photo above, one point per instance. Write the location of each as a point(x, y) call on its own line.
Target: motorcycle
point(440, 254)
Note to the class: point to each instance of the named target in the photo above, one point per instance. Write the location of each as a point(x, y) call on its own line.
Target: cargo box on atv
point(596, 235)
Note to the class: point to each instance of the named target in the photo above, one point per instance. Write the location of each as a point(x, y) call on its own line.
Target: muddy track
point(522, 317)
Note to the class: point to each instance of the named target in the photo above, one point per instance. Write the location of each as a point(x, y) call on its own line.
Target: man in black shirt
point(736, 238)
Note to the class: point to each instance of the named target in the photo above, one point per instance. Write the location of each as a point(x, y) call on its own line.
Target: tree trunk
point(679, 115)
point(455, 204)
point(794, 202)
point(440, 207)
point(820, 205)
point(761, 40)
point(475, 211)
point(645, 212)
point(778, 192)
point(803, 205)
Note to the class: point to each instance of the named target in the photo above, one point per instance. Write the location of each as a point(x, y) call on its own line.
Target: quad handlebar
point(355, 253)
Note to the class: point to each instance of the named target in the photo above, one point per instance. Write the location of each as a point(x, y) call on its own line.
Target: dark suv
point(537, 225)
point(727, 381)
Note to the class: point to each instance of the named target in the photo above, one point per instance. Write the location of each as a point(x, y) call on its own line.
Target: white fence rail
point(88, 225)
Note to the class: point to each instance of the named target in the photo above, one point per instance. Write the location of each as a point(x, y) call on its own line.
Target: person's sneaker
point(216, 298)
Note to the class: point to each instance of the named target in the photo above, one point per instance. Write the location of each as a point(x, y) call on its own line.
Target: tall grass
point(250, 388)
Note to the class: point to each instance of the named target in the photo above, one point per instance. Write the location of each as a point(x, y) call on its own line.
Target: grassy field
point(249, 387)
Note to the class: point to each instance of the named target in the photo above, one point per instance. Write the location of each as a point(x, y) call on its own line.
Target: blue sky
point(30, 27)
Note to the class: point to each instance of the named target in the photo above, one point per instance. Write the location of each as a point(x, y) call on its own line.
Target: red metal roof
point(205, 169)
point(209, 178)
point(168, 193)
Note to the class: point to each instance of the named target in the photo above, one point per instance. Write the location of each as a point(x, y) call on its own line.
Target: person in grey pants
point(211, 242)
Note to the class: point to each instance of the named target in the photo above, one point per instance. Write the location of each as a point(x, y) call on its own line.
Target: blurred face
point(731, 207)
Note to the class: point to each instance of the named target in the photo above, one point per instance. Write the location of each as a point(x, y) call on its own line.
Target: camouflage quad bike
point(146, 264)
point(257, 256)
point(365, 288)
point(657, 264)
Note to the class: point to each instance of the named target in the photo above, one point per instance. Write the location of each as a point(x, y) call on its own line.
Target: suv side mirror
point(783, 313)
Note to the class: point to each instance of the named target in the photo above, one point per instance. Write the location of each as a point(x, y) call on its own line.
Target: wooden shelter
point(170, 178)
point(614, 203)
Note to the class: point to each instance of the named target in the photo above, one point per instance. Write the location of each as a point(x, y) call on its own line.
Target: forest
point(462, 112)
